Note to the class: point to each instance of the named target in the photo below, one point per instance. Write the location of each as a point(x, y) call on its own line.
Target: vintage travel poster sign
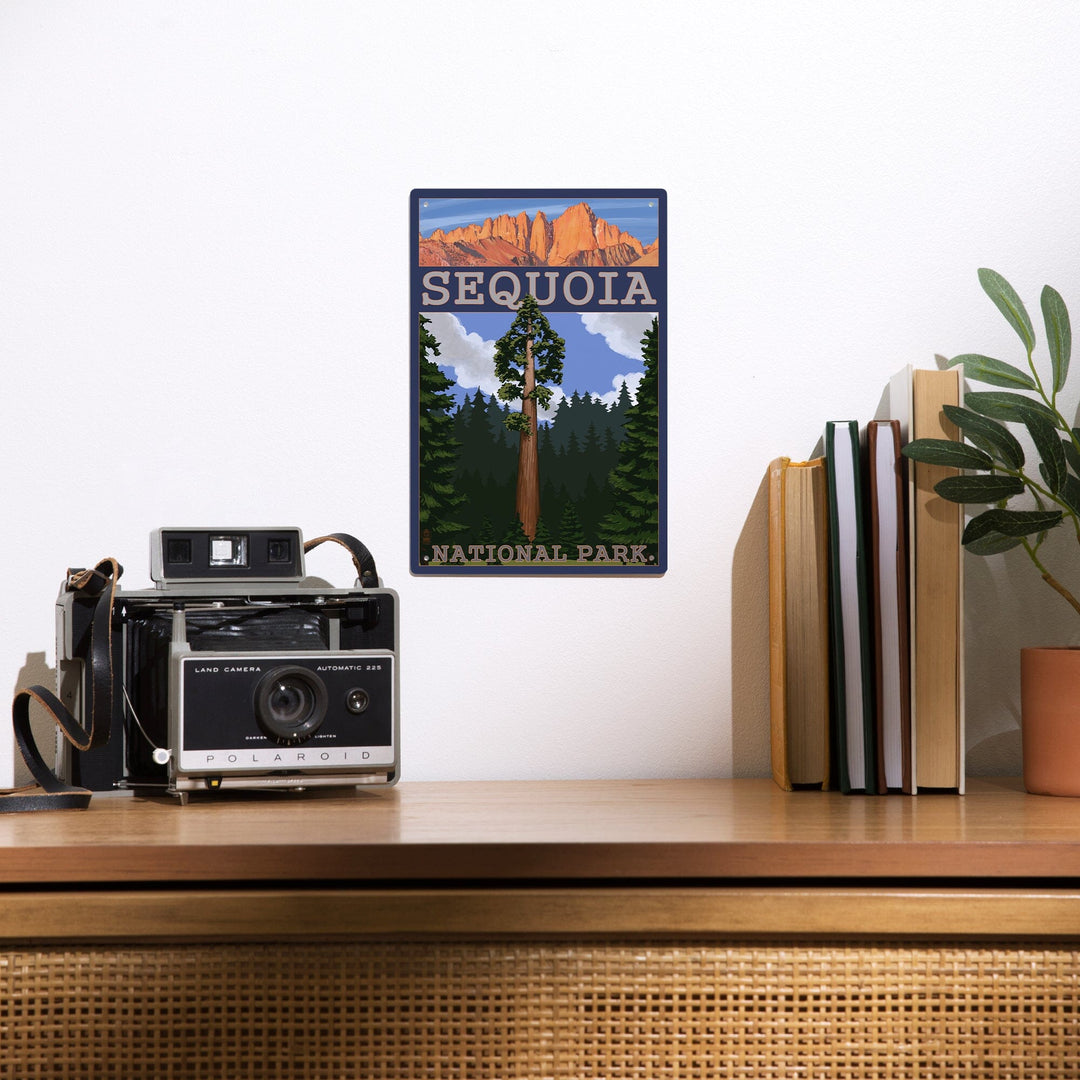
point(538, 384)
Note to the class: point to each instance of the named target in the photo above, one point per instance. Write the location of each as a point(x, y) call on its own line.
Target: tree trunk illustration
point(528, 356)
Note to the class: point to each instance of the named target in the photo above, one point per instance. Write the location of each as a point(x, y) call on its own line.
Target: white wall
point(204, 309)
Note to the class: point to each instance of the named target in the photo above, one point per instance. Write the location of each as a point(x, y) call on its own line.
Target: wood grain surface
point(687, 913)
point(605, 831)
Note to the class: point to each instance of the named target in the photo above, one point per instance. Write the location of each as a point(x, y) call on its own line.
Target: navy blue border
point(416, 567)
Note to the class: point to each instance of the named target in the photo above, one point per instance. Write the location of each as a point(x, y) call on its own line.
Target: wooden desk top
point(711, 831)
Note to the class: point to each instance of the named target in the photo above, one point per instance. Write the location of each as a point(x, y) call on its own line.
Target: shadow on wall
point(1007, 608)
point(750, 641)
point(36, 671)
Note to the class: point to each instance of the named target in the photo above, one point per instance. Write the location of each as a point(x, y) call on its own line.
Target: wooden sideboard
point(566, 928)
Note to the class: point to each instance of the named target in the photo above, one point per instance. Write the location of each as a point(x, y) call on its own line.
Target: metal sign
point(538, 381)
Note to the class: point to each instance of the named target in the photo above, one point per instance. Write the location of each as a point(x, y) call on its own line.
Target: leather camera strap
point(50, 792)
point(361, 557)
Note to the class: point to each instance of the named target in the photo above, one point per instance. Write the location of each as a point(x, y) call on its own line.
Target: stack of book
point(866, 605)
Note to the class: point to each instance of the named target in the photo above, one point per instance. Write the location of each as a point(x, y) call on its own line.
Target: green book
point(851, 635)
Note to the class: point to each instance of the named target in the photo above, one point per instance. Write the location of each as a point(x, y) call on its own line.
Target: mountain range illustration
point(577, 237)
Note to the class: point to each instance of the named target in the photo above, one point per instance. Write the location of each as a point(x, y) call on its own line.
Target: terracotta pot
point(1050, 720)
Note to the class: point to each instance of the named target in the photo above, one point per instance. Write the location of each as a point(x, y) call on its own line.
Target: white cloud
point(545, 416)
point(473, 360)
point(632, 381)
point(471, 357)
point(622, 331)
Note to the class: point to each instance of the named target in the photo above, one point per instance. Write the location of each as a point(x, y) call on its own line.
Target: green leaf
point(1009, 304)
point(1072, 455)
point(1001, 405)
point(1070, 493)
point(996, 372)
point(993, 544)
point(957, 455)
point(979, 489)
point(1058, 333)
point(1048, 444)
point(996, 439)
point(1010, 523)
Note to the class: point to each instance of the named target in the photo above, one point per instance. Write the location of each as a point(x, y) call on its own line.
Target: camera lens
point(290, 704)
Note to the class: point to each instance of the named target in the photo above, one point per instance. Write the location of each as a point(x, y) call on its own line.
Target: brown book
point(798, 623)
point(889, 584)
point(936, 591)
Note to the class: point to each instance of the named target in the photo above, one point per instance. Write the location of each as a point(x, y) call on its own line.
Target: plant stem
point(1058, 587)
point(1038, 380)
point(1051, 401)
point(1039, 492)
point(1050, 579)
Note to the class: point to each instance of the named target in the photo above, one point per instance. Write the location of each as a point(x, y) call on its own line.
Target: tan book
point(936, 591)
point(798, 623)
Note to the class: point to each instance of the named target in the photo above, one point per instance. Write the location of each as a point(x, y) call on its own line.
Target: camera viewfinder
point(257, 556)
point(179, 550)
point(278, 550)
point(228, 551)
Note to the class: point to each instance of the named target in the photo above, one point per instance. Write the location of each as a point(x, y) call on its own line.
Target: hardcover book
point(889, 581)
point(851, 629)
point(935, 584)
point(938, 605)
point(799, 623)
point(538, 381)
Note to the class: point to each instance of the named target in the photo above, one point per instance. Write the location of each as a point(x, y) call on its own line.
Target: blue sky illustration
point(602, 350)
point(638, 216)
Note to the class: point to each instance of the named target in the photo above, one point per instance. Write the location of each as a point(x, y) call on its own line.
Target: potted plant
point(999, 471)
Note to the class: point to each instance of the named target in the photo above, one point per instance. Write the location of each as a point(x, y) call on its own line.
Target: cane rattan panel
point(504, 1009)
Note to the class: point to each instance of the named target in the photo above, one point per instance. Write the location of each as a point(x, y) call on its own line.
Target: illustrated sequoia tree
point(438, 449)
point(528, 358)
